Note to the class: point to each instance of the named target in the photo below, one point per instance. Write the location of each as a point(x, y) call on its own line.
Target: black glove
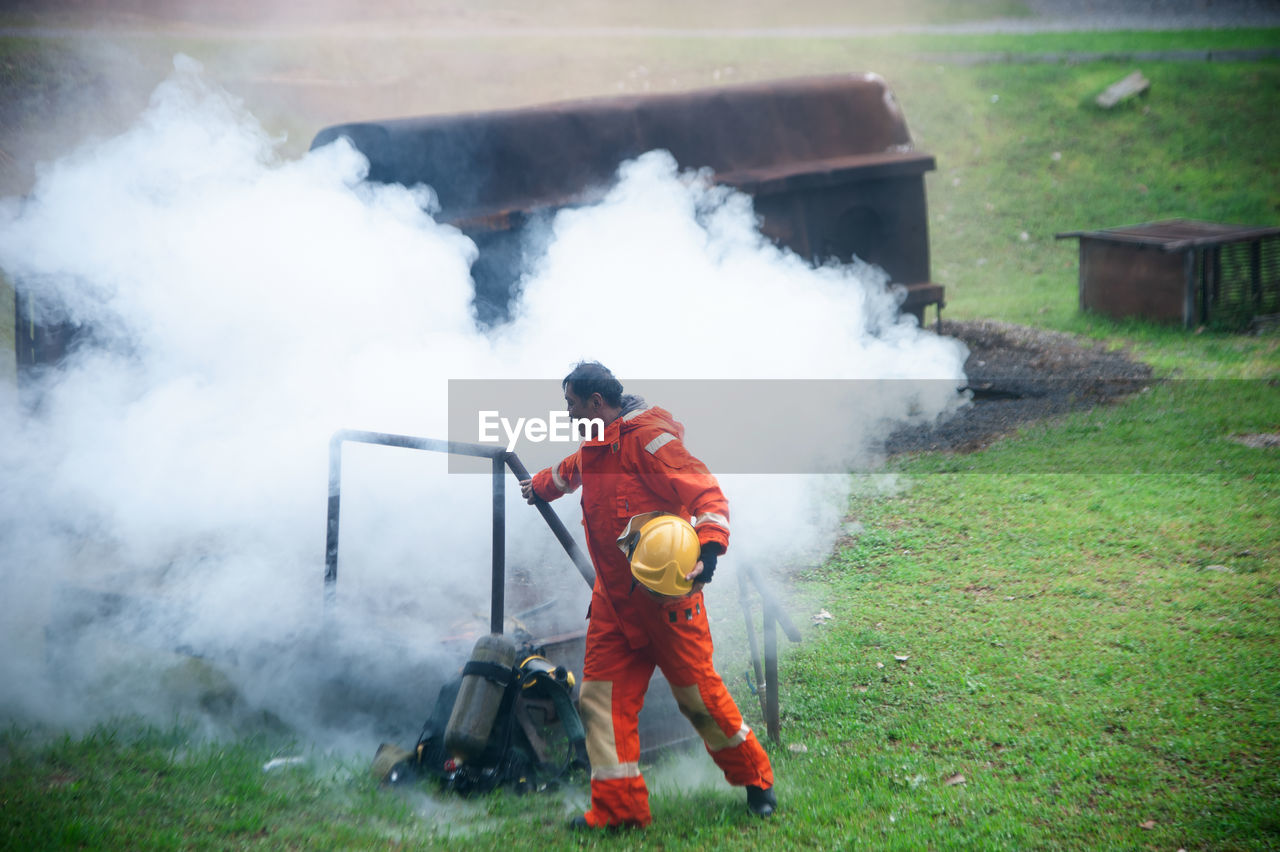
point(708, 555)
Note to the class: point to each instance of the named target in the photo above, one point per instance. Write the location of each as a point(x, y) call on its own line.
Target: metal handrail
point(773, 611)
point(501, 458)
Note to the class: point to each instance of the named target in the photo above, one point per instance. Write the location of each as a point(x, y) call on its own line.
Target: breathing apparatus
point(499, 722)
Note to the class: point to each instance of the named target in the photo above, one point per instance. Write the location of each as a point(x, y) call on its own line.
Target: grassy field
point(1092, 653)
point(1088, 610)
point(1014, 660)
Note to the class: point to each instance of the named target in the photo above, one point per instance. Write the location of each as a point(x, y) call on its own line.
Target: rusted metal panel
point(833, 171)
point(550, 156)
point(828, 160)
point(881, 220)
point(1132, 281)
point(1178, 234)
point(36, 344)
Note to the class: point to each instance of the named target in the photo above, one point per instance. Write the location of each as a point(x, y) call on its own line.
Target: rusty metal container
point(1181, 271)
point(828, 160)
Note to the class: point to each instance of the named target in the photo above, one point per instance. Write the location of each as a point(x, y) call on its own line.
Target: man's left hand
point(693, 575)
point(706, 565)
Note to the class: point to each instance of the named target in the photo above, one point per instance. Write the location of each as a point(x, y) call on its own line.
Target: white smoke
point(246, 307)
point(672, 278)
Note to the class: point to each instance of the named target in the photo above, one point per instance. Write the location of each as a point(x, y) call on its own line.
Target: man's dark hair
point(588, 377)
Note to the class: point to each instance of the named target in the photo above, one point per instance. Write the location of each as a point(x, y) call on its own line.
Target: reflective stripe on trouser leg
point(618, 792)
point(596, 706)
point(689, 700)
point(727, 738)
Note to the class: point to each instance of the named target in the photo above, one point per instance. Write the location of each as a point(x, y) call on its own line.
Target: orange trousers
point(615, 678)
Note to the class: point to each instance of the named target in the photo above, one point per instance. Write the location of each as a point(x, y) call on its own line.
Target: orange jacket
point(641, 465)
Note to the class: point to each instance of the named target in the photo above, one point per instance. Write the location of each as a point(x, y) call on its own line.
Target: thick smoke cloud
point(169, 491)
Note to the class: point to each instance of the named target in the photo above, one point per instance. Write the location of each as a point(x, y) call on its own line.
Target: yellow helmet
point(662, 549)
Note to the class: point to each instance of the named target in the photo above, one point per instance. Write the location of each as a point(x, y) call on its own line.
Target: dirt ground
point(1019, 375)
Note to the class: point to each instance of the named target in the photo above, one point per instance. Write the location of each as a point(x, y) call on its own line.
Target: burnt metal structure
point(766, 681)
point(37, 346)
point(1181, 271)
point(501, 459)
point(35, 343)
point(828, 161)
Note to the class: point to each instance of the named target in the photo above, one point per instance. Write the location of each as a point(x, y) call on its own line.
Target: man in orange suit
point(640, 467)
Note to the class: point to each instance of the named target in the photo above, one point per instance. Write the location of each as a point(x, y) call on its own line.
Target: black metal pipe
point(332, 525)
point(774, 615)
point(771, 669)
point(753, 645)
point(788, 626)
point(497, 601)
point(335, 483)
point(1193, 297)
point(784, 621)
point(499, 456)
point(1255, 274)
point(580, 561)
point(457, 448)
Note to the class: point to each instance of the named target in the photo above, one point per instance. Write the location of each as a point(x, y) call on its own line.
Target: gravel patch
point(1019, 375)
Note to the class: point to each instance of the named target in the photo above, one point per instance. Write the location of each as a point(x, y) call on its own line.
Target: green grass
point(127, 788)
point(1172, 426)
point(1089, 607)
point(1024, 154)
point(1090, 651)
point(1027, 45)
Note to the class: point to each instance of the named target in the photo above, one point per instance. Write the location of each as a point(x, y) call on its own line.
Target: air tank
point(484, 683)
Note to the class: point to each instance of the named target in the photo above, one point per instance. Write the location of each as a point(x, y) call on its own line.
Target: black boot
point(761, 801)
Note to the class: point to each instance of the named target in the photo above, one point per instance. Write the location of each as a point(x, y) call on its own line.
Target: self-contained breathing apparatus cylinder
point(484, 683)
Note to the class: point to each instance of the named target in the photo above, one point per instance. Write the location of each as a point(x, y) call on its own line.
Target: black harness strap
point(500, 675)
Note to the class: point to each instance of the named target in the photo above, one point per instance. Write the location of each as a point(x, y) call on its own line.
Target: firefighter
point(638, 470)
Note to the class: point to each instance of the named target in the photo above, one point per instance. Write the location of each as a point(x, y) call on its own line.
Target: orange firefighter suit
point(641, 465)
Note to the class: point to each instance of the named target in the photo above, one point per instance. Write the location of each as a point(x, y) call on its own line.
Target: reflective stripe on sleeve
point(711, 518)
point(631, 415)
point(557, 480)
point(659, 442)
